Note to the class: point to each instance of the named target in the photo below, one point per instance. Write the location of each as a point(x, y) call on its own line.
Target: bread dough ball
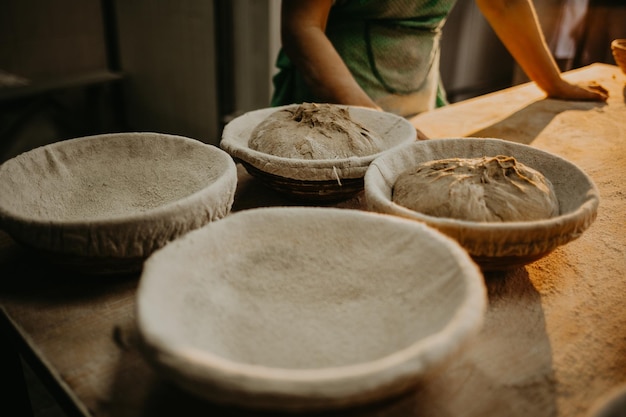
point(487, 189)
point(314, 131)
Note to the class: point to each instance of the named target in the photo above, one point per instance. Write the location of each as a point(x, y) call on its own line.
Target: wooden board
point(554, 340)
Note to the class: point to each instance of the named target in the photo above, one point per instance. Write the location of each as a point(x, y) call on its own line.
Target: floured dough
point(314, 131)
point(489, 189)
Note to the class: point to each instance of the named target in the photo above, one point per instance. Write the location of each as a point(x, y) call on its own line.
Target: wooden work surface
point(554, 339)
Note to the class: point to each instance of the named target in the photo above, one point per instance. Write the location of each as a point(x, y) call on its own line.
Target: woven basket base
point(309, 191)
point(503, 263)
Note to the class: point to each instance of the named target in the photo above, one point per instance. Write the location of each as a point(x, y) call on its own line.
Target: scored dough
point(314, 131)
point(488, 189)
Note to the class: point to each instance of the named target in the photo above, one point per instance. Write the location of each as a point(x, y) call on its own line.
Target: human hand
point(590, 91)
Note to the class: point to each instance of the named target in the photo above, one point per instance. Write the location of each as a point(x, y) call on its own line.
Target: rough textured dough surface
point(314, 131)
point(487, 189)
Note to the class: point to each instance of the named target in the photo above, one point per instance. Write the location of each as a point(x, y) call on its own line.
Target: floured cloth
point(114, 195)
point(294, 305)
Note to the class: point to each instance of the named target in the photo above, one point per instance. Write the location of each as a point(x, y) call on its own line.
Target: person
point(384, 54)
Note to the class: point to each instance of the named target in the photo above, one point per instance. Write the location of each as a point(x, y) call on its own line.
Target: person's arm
point(516, 24)
point(303, 23)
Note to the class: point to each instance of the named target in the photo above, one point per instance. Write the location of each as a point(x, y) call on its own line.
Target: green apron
point(391, 48)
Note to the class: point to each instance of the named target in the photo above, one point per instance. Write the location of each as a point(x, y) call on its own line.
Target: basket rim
point(619, 44)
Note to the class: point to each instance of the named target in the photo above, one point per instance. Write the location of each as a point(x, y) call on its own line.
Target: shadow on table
point(32, 278)
point(526, 124)
point(507, 371)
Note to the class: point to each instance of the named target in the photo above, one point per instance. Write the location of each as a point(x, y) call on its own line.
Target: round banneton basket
point(307, 308)
point(618, 48)
point(102, 204)
point(493, 245)
point(324, 180)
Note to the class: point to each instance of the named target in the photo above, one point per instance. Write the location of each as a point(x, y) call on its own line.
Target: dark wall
point(46, 38)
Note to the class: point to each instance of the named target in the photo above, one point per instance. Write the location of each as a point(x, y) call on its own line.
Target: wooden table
point(554, 339)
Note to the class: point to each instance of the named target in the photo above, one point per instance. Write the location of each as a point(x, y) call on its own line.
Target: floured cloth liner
point(484, 189)
point(392, 130)
point(115, 195)
point(314, 131)
point(307, 307)
point(514, 242)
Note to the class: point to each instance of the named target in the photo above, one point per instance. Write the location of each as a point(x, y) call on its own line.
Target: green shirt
point(391, 47)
